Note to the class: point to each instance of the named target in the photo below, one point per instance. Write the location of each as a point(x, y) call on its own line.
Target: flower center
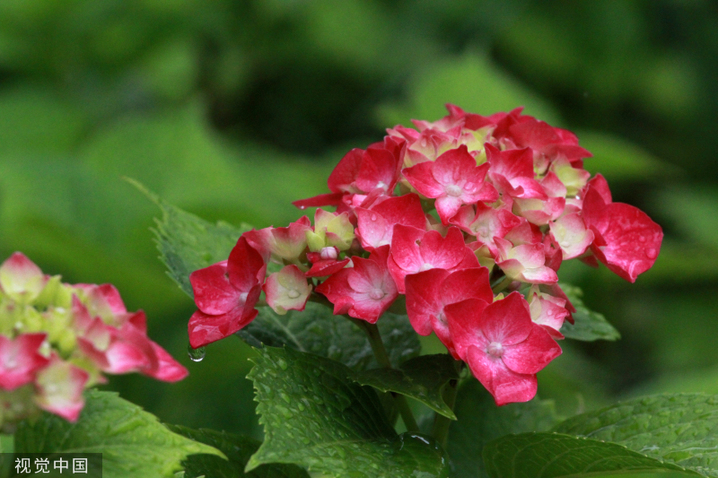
point(495, 349)
point(328, 253)
point(453, 190)
point(376, 294)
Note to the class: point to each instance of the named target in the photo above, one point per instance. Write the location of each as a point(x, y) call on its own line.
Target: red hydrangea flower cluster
point(57, 339)
point(467, 219)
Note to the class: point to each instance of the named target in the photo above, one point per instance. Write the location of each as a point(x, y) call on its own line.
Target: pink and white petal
point(287, 290)
point(168, 369)
point(20, 359)
point(125, 357)
point(571, 235)
point(21, 279)
point(505, 385)
point(539, 275)
point(372, 229)
point(447, 206)
point(59, 386)
point(548, 314)
point(507, 321)
point(213, 293)
point(533, 354)
point(452, 165)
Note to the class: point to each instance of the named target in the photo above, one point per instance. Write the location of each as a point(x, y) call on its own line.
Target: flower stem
point(501, 284)
point(377, 346)
point(440, 430)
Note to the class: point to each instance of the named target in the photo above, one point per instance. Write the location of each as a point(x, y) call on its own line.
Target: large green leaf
point(479, 421)
point(421, 378)
point(237, 449)
point(187, 242)
point(552, 455)
point(132, 441)
point(318, 331)
point(588, 325)
point(316, 416)
point(676, 428)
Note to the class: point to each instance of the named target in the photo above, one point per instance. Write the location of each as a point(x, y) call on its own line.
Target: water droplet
point(302, 207)
point(282, 364)
point(373, 217)
point(196, 355)
point(293, 294)
point(651, 253)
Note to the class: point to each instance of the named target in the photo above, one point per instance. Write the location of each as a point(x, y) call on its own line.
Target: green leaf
point(479, 421)
point(132, 441)
point(318, 331)
point(421, 378)
point(187, 243)
point(589, 325)
point(238, 450)
point(552, 455)
point(676, 428)
point(316, 416)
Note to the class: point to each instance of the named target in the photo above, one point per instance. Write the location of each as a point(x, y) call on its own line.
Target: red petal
point(213, 293)
point(507, 321)
point(505, 385)
point(533, 354)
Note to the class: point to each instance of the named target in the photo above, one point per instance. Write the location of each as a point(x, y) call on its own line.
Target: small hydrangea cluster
point(57, 339)
point(466, 219)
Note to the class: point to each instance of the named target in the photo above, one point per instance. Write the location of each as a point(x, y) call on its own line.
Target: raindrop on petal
point(196, 355)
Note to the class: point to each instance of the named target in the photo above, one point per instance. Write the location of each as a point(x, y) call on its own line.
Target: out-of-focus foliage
point(231, 110)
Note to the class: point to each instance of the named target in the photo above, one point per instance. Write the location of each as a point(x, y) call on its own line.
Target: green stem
point(440, 430)
point(503, 284)
point(377, 346)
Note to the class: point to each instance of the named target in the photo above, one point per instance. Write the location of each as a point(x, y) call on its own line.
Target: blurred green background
point(232, 109)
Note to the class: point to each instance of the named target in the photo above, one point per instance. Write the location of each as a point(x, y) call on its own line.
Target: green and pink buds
point(57, 339)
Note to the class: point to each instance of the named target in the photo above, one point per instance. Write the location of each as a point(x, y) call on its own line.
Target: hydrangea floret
point(58, 339)
point(462, 224)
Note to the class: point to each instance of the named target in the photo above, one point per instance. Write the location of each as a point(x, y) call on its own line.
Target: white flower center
point(495, 349)
point(377, 294)
point(454, 190)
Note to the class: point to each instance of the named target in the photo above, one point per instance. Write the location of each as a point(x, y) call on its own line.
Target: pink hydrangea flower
point(502, 346)
point(364, 291)
point(429, 292)
point(414, 250)
point(225, 294)
point(453, 180)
